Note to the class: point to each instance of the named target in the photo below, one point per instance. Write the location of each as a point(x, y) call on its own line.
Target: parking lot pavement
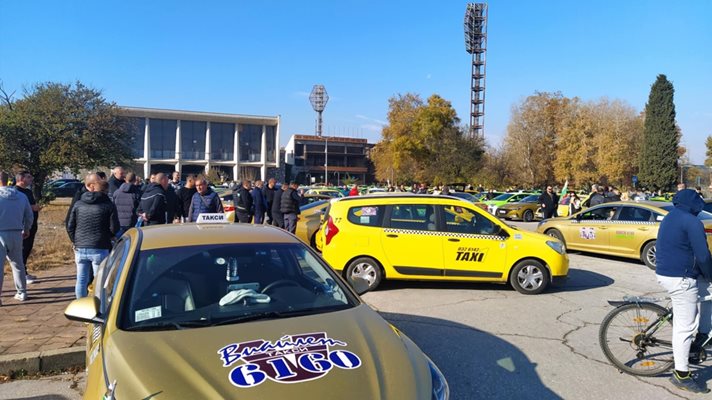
point(492, 342)
point(58, 387)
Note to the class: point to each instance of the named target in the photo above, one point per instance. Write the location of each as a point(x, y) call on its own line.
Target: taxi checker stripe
point(434, 233)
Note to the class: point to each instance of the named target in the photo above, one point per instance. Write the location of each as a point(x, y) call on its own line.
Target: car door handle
point(392, 236)
point(642, 229)
point(603, 228)
point(453, 240)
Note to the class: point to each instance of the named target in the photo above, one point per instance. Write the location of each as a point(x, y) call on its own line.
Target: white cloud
point(377, 121)
point(372, 127)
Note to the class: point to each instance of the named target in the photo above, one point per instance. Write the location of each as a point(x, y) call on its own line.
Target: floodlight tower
point(318, 99)
point(476, 44)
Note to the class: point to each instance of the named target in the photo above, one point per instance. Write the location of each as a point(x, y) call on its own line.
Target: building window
point(271, 143)
point(137, 129)
point(222, 141)
point(192, 139)
point(163, 138)
point(251, 143)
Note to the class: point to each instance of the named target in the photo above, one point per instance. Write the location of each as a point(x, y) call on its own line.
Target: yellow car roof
point(174, 235)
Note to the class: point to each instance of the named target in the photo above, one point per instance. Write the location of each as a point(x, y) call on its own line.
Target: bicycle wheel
point(637, 340)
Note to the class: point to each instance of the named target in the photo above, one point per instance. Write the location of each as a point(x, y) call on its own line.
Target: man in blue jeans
point(93, 221)
point(684, 269)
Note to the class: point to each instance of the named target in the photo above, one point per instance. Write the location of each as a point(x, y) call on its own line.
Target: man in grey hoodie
point(15, 224)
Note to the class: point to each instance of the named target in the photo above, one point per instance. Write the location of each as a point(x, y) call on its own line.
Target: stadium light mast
point(476, 45)
point(318, 99)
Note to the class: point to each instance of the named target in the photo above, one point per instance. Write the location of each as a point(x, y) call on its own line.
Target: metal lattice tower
point(318, 99)
point(476, 44)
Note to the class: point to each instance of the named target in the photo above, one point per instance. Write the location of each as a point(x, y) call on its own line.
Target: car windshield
point(503, 196)
point(702, 216)
point(465, 196)
point(193, 286)
point(530, 199)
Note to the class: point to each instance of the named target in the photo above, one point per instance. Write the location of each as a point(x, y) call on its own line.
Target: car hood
point(190, 363)
point(518, 204)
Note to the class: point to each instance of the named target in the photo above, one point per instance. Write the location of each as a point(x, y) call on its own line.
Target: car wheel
point(529, 277)
point(556, 234)
point(528, 216)
point(647, 256)
point(365, 268)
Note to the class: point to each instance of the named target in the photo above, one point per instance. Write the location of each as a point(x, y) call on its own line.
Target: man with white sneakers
point(15, 224)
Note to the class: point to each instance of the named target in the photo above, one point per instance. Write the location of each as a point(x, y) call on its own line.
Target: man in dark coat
point(259, 202)
point(152, 206)
point(269, 197)
point(185, 197)
point(116, 179)
point(243, 203)
point(277, 218)
point(549, 201)
point(93, 222)
point(290, 207)
point(23, 181)
point(126, 199)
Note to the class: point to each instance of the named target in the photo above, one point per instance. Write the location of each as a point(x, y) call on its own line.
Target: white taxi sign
point(212, 218)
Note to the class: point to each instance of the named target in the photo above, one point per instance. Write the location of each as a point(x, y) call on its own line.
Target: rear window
point(366, 215)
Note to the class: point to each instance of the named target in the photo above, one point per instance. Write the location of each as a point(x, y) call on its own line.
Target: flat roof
point(331, 139)
point(197, 115)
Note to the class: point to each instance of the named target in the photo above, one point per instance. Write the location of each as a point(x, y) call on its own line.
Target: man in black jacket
point(152, 206)
point(116, 180)
point(89, 181)
point(269, 196)
point(290, 207)
point(93, 221)
point(243, 202)
point(277, 217)
point(549, 201)
point(126, 200)
point(185, 197)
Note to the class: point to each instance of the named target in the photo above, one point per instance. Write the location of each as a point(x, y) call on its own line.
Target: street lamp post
point(326, 161)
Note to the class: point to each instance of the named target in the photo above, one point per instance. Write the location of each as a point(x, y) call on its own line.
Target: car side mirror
point(85, 309)
point(359, 285)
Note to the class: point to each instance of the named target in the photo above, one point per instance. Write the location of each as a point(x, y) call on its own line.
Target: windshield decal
point(147, 313)
point(291, 359)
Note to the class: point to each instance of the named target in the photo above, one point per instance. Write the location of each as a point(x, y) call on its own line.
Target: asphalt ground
point(492, 342)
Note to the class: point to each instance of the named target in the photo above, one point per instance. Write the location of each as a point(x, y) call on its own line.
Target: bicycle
point(636, 336)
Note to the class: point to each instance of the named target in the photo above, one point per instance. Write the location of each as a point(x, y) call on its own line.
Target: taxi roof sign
point(211, 218)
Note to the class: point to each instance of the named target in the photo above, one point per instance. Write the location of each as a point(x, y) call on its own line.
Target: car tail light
point(330, 230)
point(708, 231)
point(228, 208)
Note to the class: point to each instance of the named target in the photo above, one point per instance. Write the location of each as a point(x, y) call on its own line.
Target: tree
point(423, 141)
point(56, 126)
point(530, 142)
point(661, 137)
point(708, 153)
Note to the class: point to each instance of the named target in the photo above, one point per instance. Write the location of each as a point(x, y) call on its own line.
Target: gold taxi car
point(235, 311)
point(422, 237)
point(524, 209)
point(625, 229)
point(310, 216)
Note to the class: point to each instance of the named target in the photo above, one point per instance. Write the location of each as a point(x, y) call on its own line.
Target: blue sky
point(263, 57)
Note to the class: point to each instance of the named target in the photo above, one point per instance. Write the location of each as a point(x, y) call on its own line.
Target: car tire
point(529, 277)
point(647, 256)
point(556, 234)
point(366, 268)
point(528, 216)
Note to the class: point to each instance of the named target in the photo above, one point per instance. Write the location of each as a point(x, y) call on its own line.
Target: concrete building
point(311, 157)
point(239, 146)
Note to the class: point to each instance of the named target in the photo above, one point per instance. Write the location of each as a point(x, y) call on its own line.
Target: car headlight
point(557, 246)
point(441, 390)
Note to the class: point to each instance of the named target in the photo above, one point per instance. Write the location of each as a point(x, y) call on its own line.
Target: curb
point(43, 361)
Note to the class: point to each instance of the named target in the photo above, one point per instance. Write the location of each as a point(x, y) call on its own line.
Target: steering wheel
point(278, 283)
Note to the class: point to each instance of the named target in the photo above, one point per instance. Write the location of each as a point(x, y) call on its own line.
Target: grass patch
point(52, 246)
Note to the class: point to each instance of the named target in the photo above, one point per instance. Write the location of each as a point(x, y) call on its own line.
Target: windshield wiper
point(168, 325)
point(278, 314)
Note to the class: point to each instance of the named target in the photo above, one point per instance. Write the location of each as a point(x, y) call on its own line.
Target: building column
point(179, 149)
point(276, 141)
point(236, 154)
point(147, 150)
point(207, 148)
point(263, 153)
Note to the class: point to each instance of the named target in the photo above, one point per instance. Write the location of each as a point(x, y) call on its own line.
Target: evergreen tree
point(658, 156)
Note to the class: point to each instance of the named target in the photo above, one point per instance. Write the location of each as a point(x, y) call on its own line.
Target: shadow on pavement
point(476, 364)
point(578, 280)
point(47, 397)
